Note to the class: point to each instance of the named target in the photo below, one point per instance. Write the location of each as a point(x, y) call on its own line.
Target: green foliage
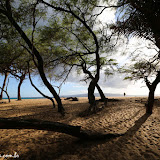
point(62, 39)
point(71, 37)
point(137, 20)
point(128, 78)
point(141, 70)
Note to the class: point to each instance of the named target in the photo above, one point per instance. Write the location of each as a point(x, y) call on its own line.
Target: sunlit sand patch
point(142, 140)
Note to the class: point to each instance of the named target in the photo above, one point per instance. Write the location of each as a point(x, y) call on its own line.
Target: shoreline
point(81, 97)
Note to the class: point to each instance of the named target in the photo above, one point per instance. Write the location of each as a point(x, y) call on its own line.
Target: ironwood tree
point(16, 17)
point(7, 57)
point(149, 72)
point(23, 15)
point(80, 44)
point(136, 19)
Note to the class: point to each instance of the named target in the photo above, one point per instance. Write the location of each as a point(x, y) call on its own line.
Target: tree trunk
point(91, 89)
point(4, 83)
point(91, 97)
point(51, 89)
point(103, 98)
point(152, 87)
point(6, 94)
point(75, 131)
point(38, 57)
point(19, 87)
point(150, 102)
point(100, 92)
point(39, 90)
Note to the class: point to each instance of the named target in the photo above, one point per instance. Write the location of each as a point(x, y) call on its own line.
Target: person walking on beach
point(124, 94)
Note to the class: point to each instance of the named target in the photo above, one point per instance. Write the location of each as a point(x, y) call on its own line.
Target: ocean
point(27, 98)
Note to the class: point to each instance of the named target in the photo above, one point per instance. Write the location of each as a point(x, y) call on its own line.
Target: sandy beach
point(141, 141)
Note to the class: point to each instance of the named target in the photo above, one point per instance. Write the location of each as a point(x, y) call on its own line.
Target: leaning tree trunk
point(100, 92)
point(19, 87)
point(103, 97)
point(4, 83)
point(51, 89)
point(37, 55)
point(39, 90)
point(150, 102)
point(6, 94)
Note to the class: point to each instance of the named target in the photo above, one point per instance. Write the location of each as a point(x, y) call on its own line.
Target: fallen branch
point(7, 123)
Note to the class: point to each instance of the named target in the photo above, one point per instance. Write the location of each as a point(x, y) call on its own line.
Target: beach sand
point(141, 141)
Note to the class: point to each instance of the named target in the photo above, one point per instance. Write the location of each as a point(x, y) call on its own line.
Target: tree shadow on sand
point(129, 134)
point(67, 145)
point(77, 147)
point(137, 126)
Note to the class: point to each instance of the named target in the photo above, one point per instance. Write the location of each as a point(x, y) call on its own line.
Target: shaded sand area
point(141, 141)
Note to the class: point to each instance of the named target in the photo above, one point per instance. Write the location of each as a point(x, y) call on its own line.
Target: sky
point(113, 84)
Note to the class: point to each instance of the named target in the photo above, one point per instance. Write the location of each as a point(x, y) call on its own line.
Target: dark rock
point(75, 99)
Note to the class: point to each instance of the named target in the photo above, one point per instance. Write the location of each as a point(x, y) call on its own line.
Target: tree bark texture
point(4, 83)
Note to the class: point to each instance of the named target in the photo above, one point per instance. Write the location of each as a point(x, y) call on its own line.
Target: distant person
point(124, 94)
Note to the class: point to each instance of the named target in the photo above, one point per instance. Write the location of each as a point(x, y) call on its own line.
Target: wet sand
point(141, 141)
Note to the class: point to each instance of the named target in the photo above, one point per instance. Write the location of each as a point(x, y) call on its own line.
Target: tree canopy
point(135, 18)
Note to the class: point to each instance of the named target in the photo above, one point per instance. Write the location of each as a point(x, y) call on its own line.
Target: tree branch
point(38, 89)
point(87, 27)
